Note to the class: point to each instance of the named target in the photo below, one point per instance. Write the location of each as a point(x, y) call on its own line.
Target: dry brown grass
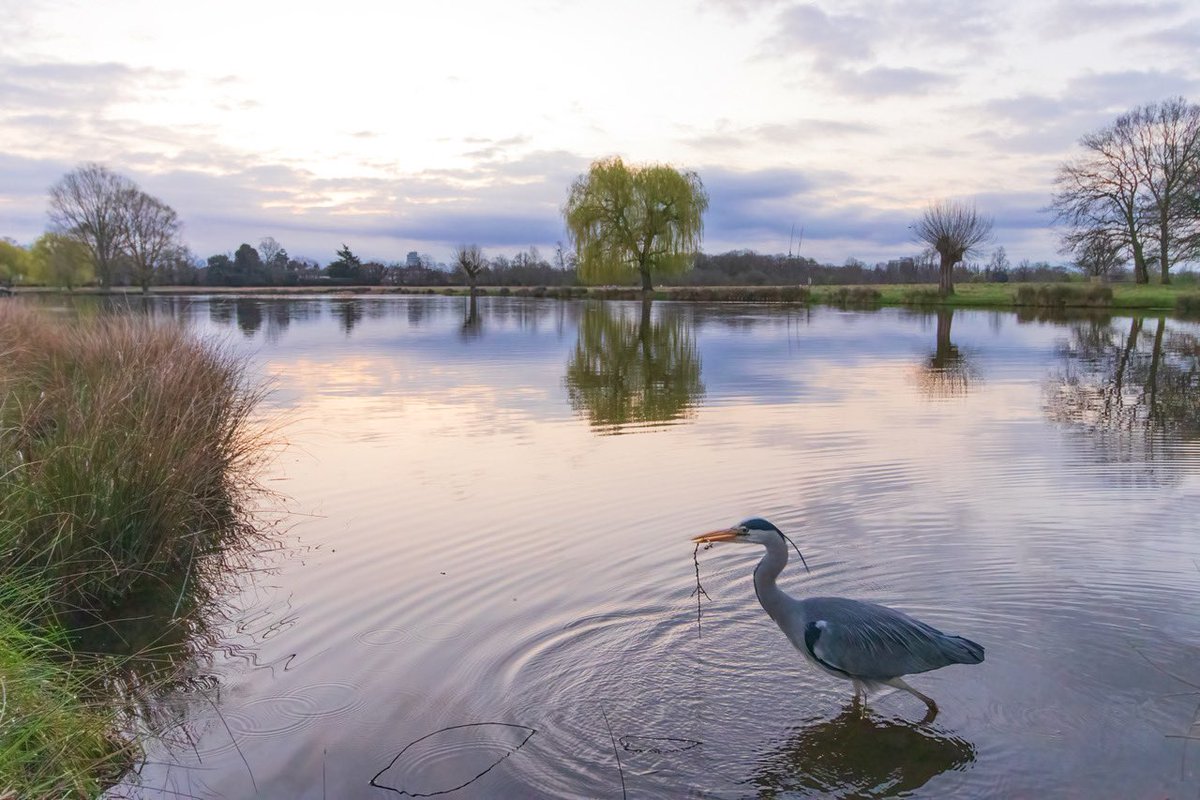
point(126, 450)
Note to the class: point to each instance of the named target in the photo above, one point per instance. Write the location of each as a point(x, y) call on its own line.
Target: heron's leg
point(859, 697)
point(928, 701)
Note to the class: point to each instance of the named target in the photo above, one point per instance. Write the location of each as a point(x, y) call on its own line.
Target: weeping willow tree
point(627, 220)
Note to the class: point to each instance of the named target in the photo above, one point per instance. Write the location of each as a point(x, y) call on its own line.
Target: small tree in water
point(954, 230)
point(644, 220)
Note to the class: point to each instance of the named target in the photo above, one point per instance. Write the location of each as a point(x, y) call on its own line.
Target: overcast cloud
point(415, 128)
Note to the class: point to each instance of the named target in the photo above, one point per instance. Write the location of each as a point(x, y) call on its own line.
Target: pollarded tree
point(87, 204)
point(151, 235)
point(635, 220)
point(469, 258)
point(955, 230)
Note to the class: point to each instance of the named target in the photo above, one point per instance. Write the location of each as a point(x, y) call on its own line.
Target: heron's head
point(750, 531)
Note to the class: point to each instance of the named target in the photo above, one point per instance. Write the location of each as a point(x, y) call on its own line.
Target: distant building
point(413, 259)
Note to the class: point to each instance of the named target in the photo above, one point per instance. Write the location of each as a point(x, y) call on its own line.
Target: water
point(489, 585)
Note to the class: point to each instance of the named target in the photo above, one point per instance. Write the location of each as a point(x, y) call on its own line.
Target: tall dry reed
point(126, 451)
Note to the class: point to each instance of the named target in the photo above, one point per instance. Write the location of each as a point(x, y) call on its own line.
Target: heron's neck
point(771, 596)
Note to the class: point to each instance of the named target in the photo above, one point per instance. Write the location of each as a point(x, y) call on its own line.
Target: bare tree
point(1135, 186)
point(1097, 254)
point(955, 230)
point(469, 258)
point(87, 205)
point(271, 251)
point(1167, 159)
point(150, 234)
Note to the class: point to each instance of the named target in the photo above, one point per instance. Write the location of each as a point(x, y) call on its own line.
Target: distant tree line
point(1130, 203)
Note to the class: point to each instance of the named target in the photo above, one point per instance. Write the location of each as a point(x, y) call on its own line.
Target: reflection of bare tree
point(472, 325)
point(856, 755)
point(220, 310)
point(948, 372)
point(627, 369)
point(1139, 380)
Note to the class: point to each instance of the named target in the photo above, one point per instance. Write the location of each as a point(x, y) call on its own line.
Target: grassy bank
point(125, 459)
point(1130, 297)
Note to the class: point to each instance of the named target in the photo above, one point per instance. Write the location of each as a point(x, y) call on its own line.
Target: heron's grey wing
point(874, 642)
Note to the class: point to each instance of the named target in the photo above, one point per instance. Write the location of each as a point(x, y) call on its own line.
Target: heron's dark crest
point(760, 524)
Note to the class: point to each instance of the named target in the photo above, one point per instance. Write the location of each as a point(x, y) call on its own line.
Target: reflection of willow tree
point(853, 755)
point(1138, 381)
point(948, 372)
point(629, 370)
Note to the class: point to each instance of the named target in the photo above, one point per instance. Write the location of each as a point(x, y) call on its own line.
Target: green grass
point(1188, 303)
point(126, 457)
point(1072, 294)
point(54, 742)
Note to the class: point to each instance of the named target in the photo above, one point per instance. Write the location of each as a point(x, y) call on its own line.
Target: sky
point(409, 125)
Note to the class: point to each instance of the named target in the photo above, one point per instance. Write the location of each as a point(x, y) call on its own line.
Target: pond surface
point(491, 588)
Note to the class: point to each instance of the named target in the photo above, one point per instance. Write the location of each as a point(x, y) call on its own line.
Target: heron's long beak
point(725, 535)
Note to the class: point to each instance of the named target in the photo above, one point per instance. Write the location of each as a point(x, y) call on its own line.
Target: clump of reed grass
point(1062, 295)
point(922, 297)
point(853, 296)
point(126, 452)
point(1188, 303)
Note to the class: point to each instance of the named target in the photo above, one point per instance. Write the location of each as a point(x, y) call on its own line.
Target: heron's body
point(862, 642)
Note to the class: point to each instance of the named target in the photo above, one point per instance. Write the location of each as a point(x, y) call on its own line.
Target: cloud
point(829, 39)
point(800, 131)
point(1184, 39)
point(76, 87)
point(856, 50)
point(884, 81)
point(1071, 18)
point(1051, 123)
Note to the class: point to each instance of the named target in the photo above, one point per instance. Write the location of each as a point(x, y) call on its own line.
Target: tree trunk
point(1141, 274)
point(946, 279)
point(1164, 260)
point(1153, 412)
point(945, 348)
point(646, 285)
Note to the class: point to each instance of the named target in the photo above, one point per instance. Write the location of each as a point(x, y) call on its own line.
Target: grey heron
point(868, 644)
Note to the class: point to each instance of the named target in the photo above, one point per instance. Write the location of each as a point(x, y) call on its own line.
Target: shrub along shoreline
point(126, 459)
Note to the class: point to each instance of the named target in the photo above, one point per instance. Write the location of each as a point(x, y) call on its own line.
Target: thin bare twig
point(1165, 671)
point(699, 590)
point(232, 738)
point(621, 771)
